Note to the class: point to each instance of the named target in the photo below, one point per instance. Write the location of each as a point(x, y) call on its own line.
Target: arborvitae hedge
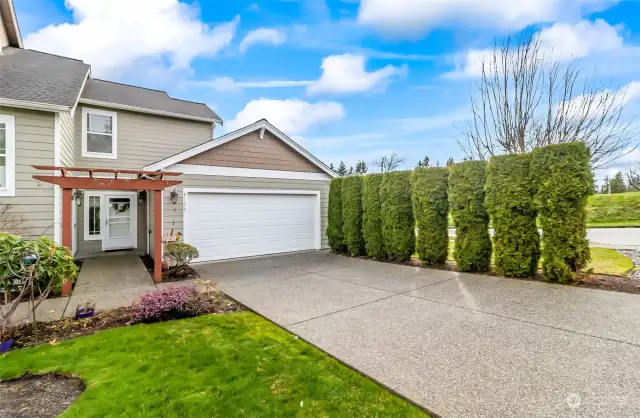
point(397, 215)
point(430, 210)
point(334, 229)
point(352, 214)
point(564, 181)
point(509, 197)
point(466, 202)
point(371, 218)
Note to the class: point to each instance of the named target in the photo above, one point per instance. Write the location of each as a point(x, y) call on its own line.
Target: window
point(93, 220)
point(99, 133)
point(7, 156)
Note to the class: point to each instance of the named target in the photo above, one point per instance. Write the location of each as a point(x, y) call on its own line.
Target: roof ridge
point(131, 85)
point(54, 55)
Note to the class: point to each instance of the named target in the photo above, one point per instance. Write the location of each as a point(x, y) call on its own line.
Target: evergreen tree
point(618, 185)
point(423, 163)
point(331, 167)
point(361, 167)
point(350, 172)
point(342, 169)
point(604, 189)
point(450, 161)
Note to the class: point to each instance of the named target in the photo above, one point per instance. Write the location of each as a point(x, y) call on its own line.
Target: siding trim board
point(208, 170)
point(57, 193)
point(259, 125)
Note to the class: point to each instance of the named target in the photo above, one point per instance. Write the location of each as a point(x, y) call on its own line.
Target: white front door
point(119, 214)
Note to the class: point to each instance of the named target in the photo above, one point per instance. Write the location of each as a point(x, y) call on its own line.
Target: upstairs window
point(7, 156)
point(99, 133)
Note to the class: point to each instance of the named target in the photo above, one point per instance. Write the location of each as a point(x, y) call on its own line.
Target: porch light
point(77, 195)
point(142, 197)
point(173, 196)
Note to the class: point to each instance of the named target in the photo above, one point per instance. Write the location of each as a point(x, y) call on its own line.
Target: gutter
point(33, 105)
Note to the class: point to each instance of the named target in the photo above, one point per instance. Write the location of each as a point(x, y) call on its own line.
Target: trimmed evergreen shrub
point(397, 215)
point(371, 218)
point(334, 228)
point(509, 197)
point(472, 250)
point(564, 181)
point(430, 210)
point(352, 214)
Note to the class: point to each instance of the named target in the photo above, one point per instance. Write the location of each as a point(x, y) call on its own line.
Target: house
point(250, 192)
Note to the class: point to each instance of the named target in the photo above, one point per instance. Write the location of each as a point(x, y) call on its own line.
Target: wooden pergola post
point(143, 180)
point(67, 231)
point(157, 235)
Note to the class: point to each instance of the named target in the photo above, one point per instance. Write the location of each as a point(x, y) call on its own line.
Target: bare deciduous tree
point(10, 222)
point(525, 99)
point(388, 163)
point(634, 179)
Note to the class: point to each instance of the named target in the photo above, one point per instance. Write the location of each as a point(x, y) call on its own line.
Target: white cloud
point(262, 36)
point(112, 35)
point(292, 116)
point(410, 18)
point(561, 42)
point(347, 74)
point(621, 98)
point(229, 84)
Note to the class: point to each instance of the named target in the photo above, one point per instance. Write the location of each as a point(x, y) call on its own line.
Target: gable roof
point(140, 99)
point(37, 79)
point(261, 124)
point(10, 23)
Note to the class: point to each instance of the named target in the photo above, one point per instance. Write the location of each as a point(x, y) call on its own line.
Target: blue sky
point(348, 79)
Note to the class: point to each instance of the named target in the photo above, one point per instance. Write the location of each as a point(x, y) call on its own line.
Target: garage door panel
point(231, 225)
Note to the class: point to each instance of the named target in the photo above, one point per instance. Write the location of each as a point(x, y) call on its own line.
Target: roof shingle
point(39, 77)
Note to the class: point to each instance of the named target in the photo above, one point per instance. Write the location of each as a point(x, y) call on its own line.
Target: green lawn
point(210, 366)
point(614, 224)
point(616, 209)
point(607, 261)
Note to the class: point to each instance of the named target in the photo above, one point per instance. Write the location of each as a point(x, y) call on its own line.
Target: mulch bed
point(38, 396)
point(67, 328)
point(593, 281)
point(183, 273)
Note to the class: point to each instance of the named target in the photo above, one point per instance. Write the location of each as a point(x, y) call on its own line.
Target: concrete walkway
point(110, 282)
point(460, 345)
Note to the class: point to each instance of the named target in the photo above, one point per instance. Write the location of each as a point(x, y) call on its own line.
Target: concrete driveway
point(460, 345)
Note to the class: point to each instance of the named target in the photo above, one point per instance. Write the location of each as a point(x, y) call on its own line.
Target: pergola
point(85, 179)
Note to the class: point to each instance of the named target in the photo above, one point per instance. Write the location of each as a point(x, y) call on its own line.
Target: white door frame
point(317, 215)
point(104, 216)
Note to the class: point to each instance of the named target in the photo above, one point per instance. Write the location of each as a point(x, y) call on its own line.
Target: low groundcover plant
point(169, 303)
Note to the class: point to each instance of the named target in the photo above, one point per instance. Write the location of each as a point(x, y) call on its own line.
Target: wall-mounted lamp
point(173, 196)
point(77, 195)
point(142, 198)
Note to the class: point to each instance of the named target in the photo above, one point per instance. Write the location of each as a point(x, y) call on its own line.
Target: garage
point(230, 223)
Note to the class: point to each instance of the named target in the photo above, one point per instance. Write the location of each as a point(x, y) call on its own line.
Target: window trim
point(114, 133)
point(86, 198)
point(10, 158)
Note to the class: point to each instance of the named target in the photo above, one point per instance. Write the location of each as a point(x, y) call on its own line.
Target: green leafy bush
point(472, 250)
point(509, 198)
point(334, 228)
point(54, 263)
point(371, 218)
point(430, 209)
point(564, 181)
point(397, 215)
point(352, 214)
point(179, 254)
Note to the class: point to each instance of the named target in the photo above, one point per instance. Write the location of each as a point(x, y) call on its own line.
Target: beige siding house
point(250, 192)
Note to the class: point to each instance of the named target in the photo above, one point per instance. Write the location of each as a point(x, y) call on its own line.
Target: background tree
point(634, 179)
point(450, 161)
point(604, 189)
point(388, 163)
point(618, 185)
point(525, 100)
point(350, 172)
point(361, 167)
point(423, 163)
point(331, 167)
point(342, 169)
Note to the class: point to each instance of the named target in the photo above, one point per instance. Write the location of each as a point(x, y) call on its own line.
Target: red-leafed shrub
point(170, 303)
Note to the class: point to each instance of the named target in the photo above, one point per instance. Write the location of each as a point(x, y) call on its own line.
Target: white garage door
point(232, 225)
